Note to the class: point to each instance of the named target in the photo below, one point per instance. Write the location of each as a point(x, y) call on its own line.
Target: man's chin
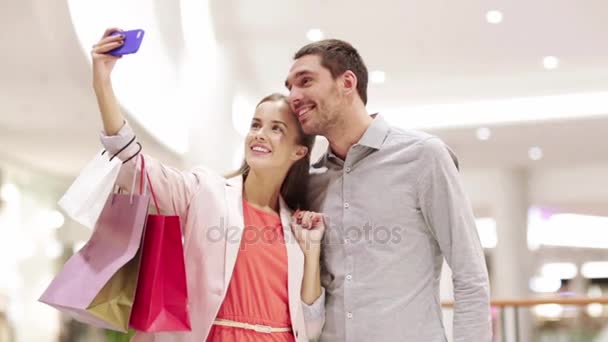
point(309, 128)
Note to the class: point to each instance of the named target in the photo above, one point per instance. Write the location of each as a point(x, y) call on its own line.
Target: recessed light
point(559, 270)
point(535, 153)
point(314, 35)
point(494, 17)
point(483, 133)
point(550, 62)
point(595, 310)
point(377, 76)
point(543, 284)
point(595, 269)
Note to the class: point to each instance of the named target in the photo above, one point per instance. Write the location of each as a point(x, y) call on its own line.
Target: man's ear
point(349, 82)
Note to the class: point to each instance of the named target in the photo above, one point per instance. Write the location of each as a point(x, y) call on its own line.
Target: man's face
point(314, 96)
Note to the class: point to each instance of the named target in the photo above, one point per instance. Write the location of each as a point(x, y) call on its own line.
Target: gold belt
point(256, 327)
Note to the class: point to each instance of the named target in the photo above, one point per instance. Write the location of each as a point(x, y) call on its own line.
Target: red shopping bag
point(161, 298)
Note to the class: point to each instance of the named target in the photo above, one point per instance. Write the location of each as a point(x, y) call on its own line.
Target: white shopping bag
point(86, 197)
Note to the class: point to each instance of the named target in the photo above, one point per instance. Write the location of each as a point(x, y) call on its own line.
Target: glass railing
point(553, 319)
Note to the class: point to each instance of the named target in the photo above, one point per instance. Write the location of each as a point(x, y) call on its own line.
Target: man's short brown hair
point(339, 56)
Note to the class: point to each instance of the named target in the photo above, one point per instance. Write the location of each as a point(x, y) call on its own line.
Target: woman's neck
point(263, 190)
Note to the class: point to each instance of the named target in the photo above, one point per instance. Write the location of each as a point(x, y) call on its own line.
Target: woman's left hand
point(309, 228)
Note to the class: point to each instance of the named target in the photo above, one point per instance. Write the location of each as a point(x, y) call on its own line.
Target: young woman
point(252, 264)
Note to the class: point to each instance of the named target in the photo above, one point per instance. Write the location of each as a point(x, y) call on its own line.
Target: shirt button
point(346, 241)
point(348, 169)
point(349, 315)
point(349, 277)
point(346, 205)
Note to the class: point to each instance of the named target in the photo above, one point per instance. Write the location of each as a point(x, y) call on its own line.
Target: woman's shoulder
point(210, 177)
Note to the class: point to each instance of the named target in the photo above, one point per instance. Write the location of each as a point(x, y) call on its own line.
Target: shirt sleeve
point(449, 216)
point(314, 316)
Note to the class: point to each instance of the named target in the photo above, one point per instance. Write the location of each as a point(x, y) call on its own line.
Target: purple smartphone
point(133, 40)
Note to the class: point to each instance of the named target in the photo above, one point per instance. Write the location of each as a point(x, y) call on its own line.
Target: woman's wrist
point(312, 253)
point(101, 84)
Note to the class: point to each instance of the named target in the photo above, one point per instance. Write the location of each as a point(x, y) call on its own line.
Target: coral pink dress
point(257, 293)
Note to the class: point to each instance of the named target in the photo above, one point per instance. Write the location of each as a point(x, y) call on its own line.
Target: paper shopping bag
point(85, 198)
point(161, 300)
point(97, 284)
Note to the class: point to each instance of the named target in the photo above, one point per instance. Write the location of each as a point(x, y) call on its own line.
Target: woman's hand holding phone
point(103, 63)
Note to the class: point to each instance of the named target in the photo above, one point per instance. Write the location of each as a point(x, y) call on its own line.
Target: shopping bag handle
point(122, 149)
point(152, 192)
point(135, 155)
point(141, 180)
point(144, 171)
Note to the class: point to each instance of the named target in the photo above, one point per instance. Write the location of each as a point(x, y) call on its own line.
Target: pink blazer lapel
point(234, 233)
point(234, 224)
point(295, 262)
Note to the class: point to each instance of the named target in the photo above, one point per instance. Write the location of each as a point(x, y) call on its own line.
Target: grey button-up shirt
point(394, 209)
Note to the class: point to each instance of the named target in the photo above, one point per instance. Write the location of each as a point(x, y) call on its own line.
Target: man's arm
point(449, 216)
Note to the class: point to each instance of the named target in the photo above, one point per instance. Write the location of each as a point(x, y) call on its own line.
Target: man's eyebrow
point(298, 74)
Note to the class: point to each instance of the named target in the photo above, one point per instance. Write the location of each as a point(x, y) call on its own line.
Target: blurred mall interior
point(518, 89)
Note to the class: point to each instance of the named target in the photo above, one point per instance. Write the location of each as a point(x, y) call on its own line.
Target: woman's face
point(272, 139)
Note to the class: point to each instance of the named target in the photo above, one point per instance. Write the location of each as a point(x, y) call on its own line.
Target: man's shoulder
point(424, 144)
point(404, 136)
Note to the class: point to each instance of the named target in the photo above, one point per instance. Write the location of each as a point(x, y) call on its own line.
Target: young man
point(395, 207)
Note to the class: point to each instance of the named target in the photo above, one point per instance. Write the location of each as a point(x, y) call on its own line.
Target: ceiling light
point(559, 270)
point(377, 76)
point(548, 311)
point(494, 17)
point(492, 112)
point(483, 133)
point(545, 284)
point(595, 269)
point(595, 310)
point(314, 35)
point(535, 153)
point(556, 230)
point(550, 62)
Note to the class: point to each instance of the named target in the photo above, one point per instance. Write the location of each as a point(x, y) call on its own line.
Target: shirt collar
point(373, 137)
point(376, 133)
